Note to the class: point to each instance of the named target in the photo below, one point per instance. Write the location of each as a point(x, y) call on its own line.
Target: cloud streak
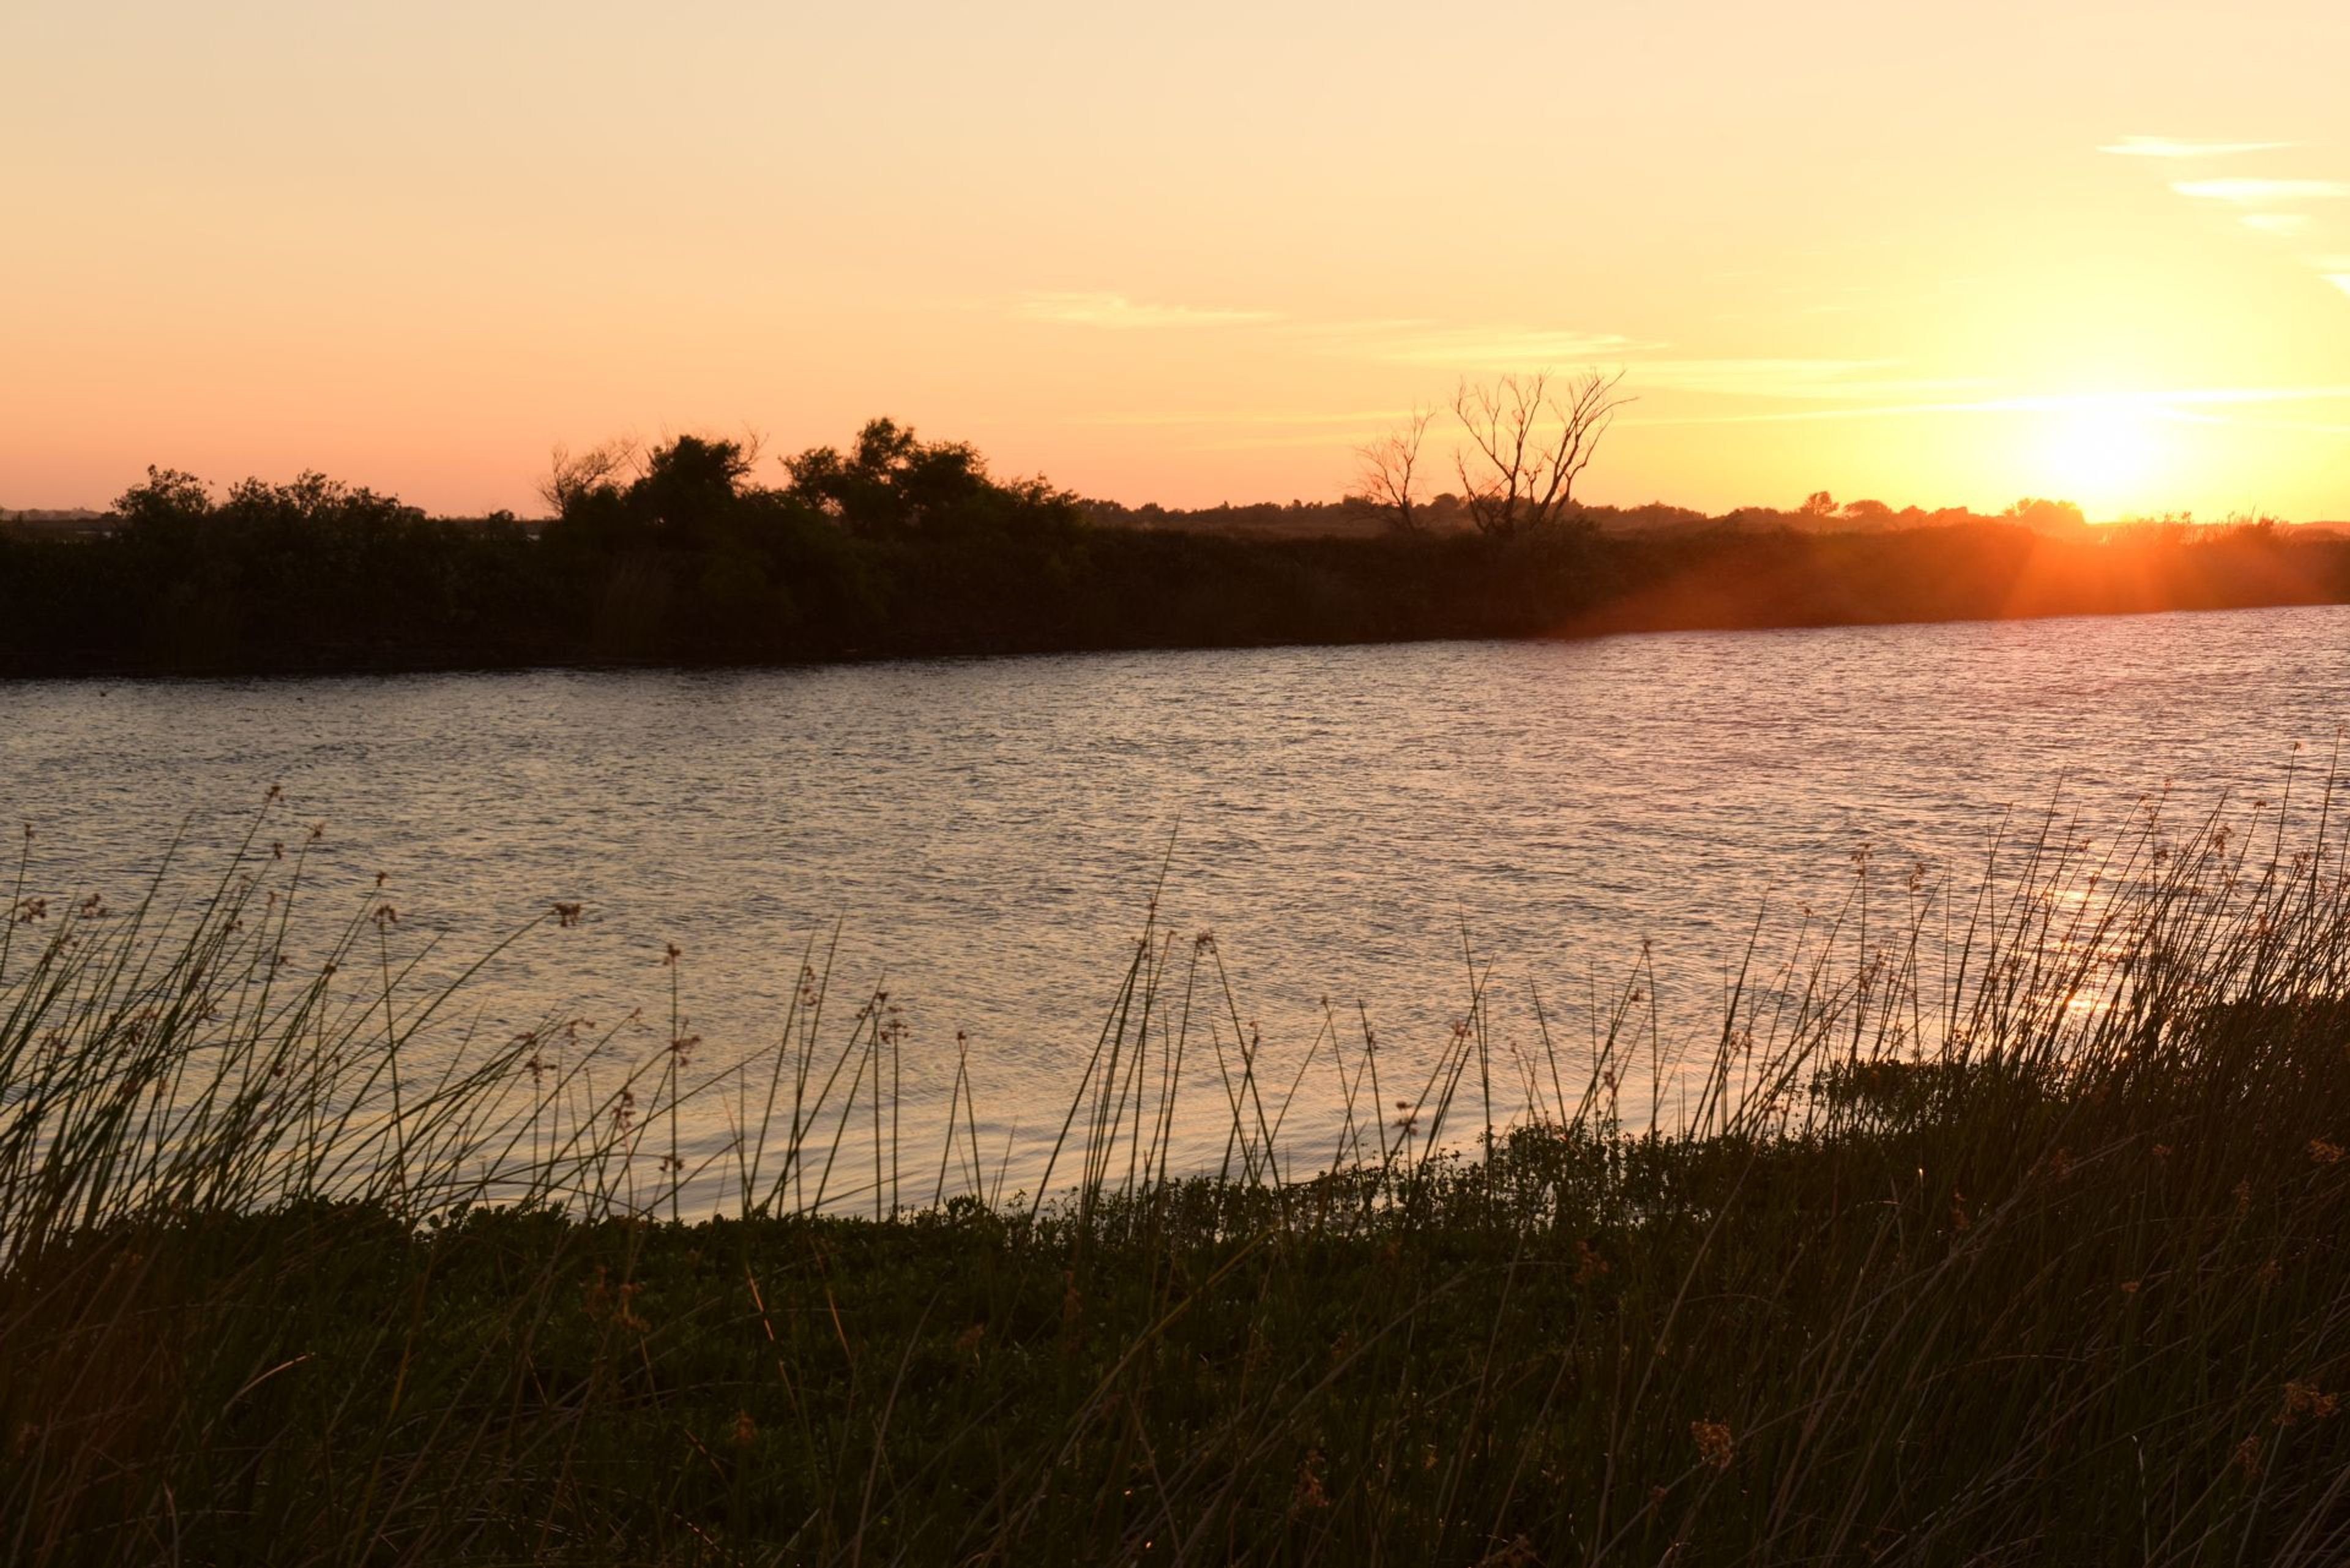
point(2250, 193)
point(2171, 147)
point(2173, 404)
point(1494, 347)
point(1268, 430)
point(1471, 350)
point(2266, 204)
point(1117, 312)
point(1476, 350)
point(1794, 379)
point(1277, 419)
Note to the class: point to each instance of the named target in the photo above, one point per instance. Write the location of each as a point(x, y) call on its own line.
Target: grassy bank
point(903, 549)
point(2010, 1229)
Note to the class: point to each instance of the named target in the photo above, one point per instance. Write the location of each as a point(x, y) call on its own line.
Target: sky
point(1920, 253)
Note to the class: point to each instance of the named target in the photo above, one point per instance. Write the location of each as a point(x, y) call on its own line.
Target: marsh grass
point(1998, 1226)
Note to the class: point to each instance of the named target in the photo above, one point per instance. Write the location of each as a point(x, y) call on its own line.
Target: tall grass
point(1998, 1226)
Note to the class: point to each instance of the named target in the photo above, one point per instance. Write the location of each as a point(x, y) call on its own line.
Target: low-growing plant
point(2018, 1243)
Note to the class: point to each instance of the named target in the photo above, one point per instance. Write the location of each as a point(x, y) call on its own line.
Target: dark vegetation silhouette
point(1525, 440)
point(899, 547)
point(2001, 1223)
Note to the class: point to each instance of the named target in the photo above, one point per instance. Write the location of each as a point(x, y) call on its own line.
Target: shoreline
point(2073, 1278)
point(1597, 627)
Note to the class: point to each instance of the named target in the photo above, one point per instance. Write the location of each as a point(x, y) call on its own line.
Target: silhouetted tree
point(892, 485)
point(1530, 444)
point(170, 501)
point(570, 476)
point(688, 486)
point(1389, 469)
point(2046, 516)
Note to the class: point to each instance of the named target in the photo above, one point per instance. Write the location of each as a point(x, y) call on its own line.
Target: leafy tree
point(893, 486)
point(169, 500)
point(689, 488)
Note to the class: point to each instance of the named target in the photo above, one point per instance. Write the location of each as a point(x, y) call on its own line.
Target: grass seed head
point(1714, 1447)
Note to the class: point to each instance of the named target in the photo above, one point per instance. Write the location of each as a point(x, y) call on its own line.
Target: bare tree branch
point(570, 476)
point(1527, 445)
point(1390, 468)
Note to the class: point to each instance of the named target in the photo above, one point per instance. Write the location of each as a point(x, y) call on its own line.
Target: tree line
point(896, 546)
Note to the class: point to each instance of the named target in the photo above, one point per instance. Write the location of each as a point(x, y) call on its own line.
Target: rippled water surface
point(989, 833)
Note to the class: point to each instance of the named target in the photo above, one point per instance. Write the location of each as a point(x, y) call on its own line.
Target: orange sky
point(1946, 253)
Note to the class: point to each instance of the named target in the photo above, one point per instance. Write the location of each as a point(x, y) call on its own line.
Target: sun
point(2100, 455)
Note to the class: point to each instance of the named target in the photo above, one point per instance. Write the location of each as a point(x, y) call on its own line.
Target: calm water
point(988, 833)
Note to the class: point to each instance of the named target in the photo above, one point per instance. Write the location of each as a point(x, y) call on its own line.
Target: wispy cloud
point(2178, 404)
point(2267, 205)
point(2340, 280)
point(2305, 427)
point(1260, 428)
point(1270, 419)
point(1804, 379)
point(2172, 147)
point(1475, 350)
point(1760, 378)
point(2250, 193)
point(1117, 313)
point(2237, 396)
point(1486, 348)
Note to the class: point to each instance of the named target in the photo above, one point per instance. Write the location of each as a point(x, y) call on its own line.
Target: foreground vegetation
point(2012, 1229)
point(901, 548)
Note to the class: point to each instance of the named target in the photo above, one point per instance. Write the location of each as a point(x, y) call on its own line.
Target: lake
point(987, 835)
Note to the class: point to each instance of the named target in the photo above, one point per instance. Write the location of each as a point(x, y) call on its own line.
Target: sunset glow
point(1263, 781)
point(1841, 246)
point(2106, 456)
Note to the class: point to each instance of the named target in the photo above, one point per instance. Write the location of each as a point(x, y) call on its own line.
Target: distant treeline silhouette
point(897, 547)
point(1447, 513)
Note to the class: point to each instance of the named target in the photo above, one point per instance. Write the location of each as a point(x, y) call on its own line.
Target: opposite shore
point(904, 549)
